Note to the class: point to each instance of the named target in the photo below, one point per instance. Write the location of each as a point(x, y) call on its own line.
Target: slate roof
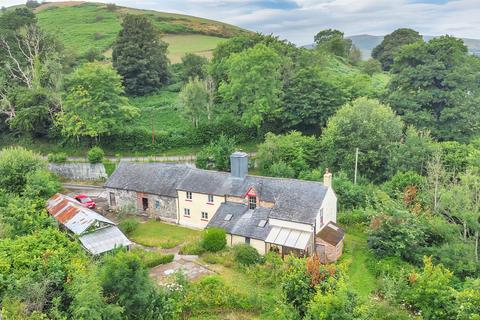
point(331, 233)
point(295, 200)
point(244, 222)
point(154, 178)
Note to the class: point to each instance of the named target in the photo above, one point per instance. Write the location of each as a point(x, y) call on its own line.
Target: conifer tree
point(140, 57)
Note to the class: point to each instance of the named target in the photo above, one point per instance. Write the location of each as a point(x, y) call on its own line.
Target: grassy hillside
point(83, 26)
point(366, 43)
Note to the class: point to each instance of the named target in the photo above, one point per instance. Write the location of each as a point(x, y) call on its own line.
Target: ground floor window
point(186, 212)
point(157, 204)
point(247, 240)
point(204, 215)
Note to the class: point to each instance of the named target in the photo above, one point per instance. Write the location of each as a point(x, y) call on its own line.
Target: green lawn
point(361, 278)
point(159, 234)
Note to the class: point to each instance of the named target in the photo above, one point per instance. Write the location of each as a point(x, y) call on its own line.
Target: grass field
point(178, 45)
point(361, 278)
point(159, 234)
point(83, 26)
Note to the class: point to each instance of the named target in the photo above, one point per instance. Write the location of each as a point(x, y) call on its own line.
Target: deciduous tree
point(391, 45)
point(94, 104)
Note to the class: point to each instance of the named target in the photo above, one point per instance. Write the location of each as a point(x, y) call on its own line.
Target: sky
point(299, 20)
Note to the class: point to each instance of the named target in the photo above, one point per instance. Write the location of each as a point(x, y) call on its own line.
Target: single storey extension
point(271, 214)
point(96, 233)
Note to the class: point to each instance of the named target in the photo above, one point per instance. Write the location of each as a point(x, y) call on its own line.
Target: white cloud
point(299, 20)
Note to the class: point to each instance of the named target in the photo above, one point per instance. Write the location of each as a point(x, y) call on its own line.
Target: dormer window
point(252, 202)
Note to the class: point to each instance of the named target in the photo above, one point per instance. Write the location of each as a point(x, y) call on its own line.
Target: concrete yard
point(186, 264)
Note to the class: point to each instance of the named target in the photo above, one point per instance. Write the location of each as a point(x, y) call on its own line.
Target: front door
point(145, 204)
point(113, 203)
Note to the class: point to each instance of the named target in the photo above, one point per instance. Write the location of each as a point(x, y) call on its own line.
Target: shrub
point(95, 155)
point(60, 157)
point(152, 259)
point(246, 254)
point(112, 7)
point(270, 272)
point(354, 217)
point(194, 248)
point(224, 257)
point(214, 239)
point(98, 35)
point(128, 226)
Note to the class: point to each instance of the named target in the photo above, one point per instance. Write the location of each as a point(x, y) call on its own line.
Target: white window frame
point(186, 212)
point(204, 215)
point(210, 198)
point(189, 195)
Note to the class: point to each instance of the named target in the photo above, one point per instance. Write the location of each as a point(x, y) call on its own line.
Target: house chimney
point(239, 164)
point(327, 179)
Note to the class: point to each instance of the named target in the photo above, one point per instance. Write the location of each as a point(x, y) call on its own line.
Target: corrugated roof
point(331, 233)
point(288, 237)
point(104, 240)
point(72, 215)
point(102, 237)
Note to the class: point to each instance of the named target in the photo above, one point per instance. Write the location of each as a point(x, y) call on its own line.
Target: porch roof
point(287, 237)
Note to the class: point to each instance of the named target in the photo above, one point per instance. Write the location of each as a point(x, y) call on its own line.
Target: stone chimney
point(327, 179)
point(239, 164)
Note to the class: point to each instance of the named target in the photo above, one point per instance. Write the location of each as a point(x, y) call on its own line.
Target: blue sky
point(299, 20)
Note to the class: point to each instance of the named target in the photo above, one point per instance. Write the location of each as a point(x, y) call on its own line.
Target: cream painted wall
point(329, 207)
point(291, 225)
point(259, 245)
point(237, 240)
point(197, 205)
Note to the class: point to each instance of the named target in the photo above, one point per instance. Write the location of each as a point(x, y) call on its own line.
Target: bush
point(194, 248)
point(246, 254)
point(224, 257)
point(354, 217)
point(129, 225)
point(152, 259)
point(95, 155)
point(214, 239)
point(60, 157)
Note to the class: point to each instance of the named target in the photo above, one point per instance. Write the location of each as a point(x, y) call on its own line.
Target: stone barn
point(148, 189)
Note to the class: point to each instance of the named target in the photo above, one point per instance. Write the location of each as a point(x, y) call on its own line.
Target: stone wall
point(79, 171)
point(159, 207)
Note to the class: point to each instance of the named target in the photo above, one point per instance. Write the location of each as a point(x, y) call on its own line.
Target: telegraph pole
point(356, 166)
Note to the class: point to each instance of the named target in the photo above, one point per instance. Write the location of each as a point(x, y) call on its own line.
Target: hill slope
point(366, 43)
point(82, 26)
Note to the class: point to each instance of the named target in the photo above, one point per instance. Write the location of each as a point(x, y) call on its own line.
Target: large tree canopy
point(311, 98)
point(436, 86)
point(365, 124)
point(140, 57)
point(254, 86)
point(333, 41)
point(94, 105)
point(392, 43)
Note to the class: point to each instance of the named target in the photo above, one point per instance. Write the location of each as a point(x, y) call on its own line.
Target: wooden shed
point(329, 242)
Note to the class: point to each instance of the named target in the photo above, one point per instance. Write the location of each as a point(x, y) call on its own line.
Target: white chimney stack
point(327, 179)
